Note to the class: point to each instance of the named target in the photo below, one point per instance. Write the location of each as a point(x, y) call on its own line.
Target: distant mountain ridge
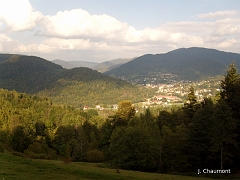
point(181, 64)
point(73, 64)
point(100, 67)
point(108, 65)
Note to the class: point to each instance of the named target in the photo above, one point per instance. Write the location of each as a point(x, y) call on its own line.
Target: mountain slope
point(182, 64)
point(77, 86)
point(27, 73)
point(86, 87)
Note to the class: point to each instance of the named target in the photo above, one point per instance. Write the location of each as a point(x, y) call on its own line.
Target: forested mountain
point(181, 64)
point(77, 86)
point(73, 64)
point(28, 74)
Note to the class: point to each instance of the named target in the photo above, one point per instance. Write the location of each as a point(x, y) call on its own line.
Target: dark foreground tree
point(231, 95)
point(199, 137)
point(223, 139)
point(134, 148)
point(191, 107)
point(19, 139)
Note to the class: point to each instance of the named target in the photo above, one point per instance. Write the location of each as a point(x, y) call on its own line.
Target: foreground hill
point(180, 64)
point(77, 86)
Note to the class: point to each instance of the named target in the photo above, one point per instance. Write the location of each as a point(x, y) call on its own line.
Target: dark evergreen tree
point(173, 149)
point(223, 141)
point(81, 145)
point(231, 95)
point(105, 138)
point(164, 118)
point(92, 134)
point(199, 137)
point(231, 90)
point(63, 140)
point(133, 147)
point(191, 106)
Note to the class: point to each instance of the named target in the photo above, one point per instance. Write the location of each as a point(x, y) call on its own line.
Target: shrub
point(36, 147)
point(1, 148)
point(19, 140)
point(95, 156)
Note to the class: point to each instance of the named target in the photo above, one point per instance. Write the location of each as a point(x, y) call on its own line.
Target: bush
point(1, 148)
point(4, 136)
point(51, 153)
point(40, 150)
point(95, 156)
point(36, 147)
point(15, 153)
point(33, 155)
point(19, 140)
point(40, 156)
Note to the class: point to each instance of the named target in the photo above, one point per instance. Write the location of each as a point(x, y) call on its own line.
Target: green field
point(14, 167)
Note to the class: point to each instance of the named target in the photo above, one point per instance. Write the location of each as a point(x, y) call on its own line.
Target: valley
point(152, 118)
point(119, 90)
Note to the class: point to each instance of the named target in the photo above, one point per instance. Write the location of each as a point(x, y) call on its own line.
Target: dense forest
point(198, 135)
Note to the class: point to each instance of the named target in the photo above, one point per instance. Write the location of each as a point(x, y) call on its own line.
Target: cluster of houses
point(171, 94)
point(177, 92)
point(100, 108)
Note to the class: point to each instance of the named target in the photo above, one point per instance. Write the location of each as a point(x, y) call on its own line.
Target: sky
point(97, 31)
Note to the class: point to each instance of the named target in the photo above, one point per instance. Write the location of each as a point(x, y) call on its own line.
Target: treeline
point(200, 135)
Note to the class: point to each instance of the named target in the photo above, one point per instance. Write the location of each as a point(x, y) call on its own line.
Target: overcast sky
point(101, 30)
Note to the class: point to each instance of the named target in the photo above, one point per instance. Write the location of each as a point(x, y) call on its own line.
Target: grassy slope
point(13, 167)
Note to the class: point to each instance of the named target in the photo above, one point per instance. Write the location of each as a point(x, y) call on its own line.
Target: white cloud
point(18, 15)
point(76, 33)
point(218, 15)
point(4, 38)
point(8, 45)
point(67, 44)
point(78, 23)
point(227, 27)
point(228, 43)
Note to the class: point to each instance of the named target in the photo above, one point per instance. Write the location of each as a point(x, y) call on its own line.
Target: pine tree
point(200, 136)
point(223, 141)
point(231, 95)
point(134, 147)
point(191, 106)
point(231, 90)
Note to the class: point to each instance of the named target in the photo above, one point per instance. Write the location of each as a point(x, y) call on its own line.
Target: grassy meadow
point(14, 167)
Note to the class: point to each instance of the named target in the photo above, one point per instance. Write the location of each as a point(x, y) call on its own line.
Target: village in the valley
point(173, 94)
